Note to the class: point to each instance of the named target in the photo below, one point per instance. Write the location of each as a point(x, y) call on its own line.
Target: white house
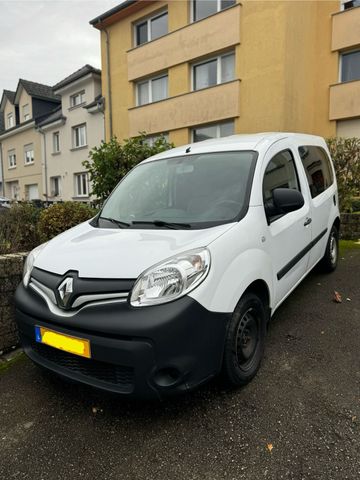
point(69, 133)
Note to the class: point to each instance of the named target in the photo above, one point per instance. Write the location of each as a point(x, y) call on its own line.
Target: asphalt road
point(299, 419)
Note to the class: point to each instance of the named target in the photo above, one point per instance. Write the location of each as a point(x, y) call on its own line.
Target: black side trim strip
point(299, 256)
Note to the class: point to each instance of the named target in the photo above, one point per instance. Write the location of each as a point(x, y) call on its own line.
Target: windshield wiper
point(119, 223)
point(162, 223)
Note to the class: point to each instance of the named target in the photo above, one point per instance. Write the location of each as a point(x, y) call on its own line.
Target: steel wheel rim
point(247, 338)
point(333, 249)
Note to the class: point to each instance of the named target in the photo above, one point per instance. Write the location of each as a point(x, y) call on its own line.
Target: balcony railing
point(203, 106)
point(345, 100)
point(346, 29)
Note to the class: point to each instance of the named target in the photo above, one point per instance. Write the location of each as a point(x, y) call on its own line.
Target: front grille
point(118, 375)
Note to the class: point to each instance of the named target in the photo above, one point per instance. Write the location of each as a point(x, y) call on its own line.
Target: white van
point(177, 277)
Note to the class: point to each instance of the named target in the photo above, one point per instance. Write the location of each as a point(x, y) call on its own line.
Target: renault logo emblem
point(65, 290)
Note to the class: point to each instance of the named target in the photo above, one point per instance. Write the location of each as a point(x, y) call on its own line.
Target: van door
point(320, 178)
point(288, 235)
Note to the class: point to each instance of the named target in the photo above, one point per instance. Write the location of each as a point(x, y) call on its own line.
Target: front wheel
point(245, 341)
point(330, 258)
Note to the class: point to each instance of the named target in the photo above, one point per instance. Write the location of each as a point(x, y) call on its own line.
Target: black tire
point(245, 341)
point(330, 258)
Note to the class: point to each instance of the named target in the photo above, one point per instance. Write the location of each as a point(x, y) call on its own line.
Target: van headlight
point(29, 263)
point(172, 279)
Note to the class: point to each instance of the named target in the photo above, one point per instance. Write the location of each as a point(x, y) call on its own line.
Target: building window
point(77, 99)
point(152, 90)
point(10, 120)
point(151, 28)
point(29, 154)
point(351, 4)
point(350, 66)
point(79, 136)
point(81, 185)
point(12, 158)
point(280, 173)
point(216, 130)
point(151, 139)
point(214, 71)
point(56, 142)
point(318, 169)
point(202, 9)
point(55, 184)
point(26, 112)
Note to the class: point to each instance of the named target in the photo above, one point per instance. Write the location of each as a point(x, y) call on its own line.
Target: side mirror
point(287, 200)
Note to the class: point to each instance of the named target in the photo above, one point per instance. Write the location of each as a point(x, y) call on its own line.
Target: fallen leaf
point(269, 446)
point(353, 418)
point(348, 299)
point(322, 333)
point(337, 297)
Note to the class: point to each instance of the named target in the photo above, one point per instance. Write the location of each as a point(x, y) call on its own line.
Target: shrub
point(345, 153)
point(62, 216)
point(18, 230)
point(110, 162)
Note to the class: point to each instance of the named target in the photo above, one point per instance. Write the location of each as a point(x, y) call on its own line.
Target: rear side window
point(317, 167)
point(280, 173)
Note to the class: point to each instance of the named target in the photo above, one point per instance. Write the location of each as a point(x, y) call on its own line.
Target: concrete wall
point(345, 100)
point(346, 29)
point(350, 226)
point(11, 267)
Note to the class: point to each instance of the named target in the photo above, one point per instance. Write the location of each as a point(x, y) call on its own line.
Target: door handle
point(307, 221)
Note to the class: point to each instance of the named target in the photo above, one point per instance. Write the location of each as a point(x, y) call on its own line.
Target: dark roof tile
point(85, 70)
point(10, 95)
point(51, 117)
point(39, 90)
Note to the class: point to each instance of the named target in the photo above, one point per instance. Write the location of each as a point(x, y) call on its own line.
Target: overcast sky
point(46, 40)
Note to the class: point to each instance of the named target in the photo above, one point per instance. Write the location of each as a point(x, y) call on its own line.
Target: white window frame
point(150, 93)
point(52, 182)
point(81, 174)
point(216, 124)
point(354, 50)
point(218, 69)
point(11, 159)
point(29, 148)
point(56, 143)
point(218, 9)
point(81, 95)
point(26, 114)
point(10, 120)
point(74, 128)
point(148, 21)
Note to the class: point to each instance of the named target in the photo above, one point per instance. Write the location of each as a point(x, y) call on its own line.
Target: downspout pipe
point(109, 106)
point(2, 171)
point(43, 133)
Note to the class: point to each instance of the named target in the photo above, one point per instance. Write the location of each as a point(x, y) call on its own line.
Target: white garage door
point(33, 192)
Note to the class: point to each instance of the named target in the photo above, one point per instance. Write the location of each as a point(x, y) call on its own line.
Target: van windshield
point(192, 191)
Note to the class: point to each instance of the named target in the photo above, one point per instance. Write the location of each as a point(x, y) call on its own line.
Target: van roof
point(253, 141)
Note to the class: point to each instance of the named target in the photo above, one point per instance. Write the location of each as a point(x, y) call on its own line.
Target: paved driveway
point(299, 419)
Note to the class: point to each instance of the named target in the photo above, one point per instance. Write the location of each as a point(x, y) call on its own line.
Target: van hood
point(118, 253)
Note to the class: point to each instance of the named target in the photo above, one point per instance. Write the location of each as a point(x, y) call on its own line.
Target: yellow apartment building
point(193, 69)
point(345, 92)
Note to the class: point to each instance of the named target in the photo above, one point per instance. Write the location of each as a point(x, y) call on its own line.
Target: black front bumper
point(143, 352)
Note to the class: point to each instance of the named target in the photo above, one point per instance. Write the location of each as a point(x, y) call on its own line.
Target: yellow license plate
point(75, 345)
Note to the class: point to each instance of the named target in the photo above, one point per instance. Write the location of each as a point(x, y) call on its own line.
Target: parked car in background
point(5, 202)
point(176, 279)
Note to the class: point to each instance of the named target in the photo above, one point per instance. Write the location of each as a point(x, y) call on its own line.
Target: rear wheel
point(245, 341)
point(330, 258)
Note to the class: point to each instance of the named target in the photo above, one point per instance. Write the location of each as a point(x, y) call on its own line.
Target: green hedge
point(24, 226)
